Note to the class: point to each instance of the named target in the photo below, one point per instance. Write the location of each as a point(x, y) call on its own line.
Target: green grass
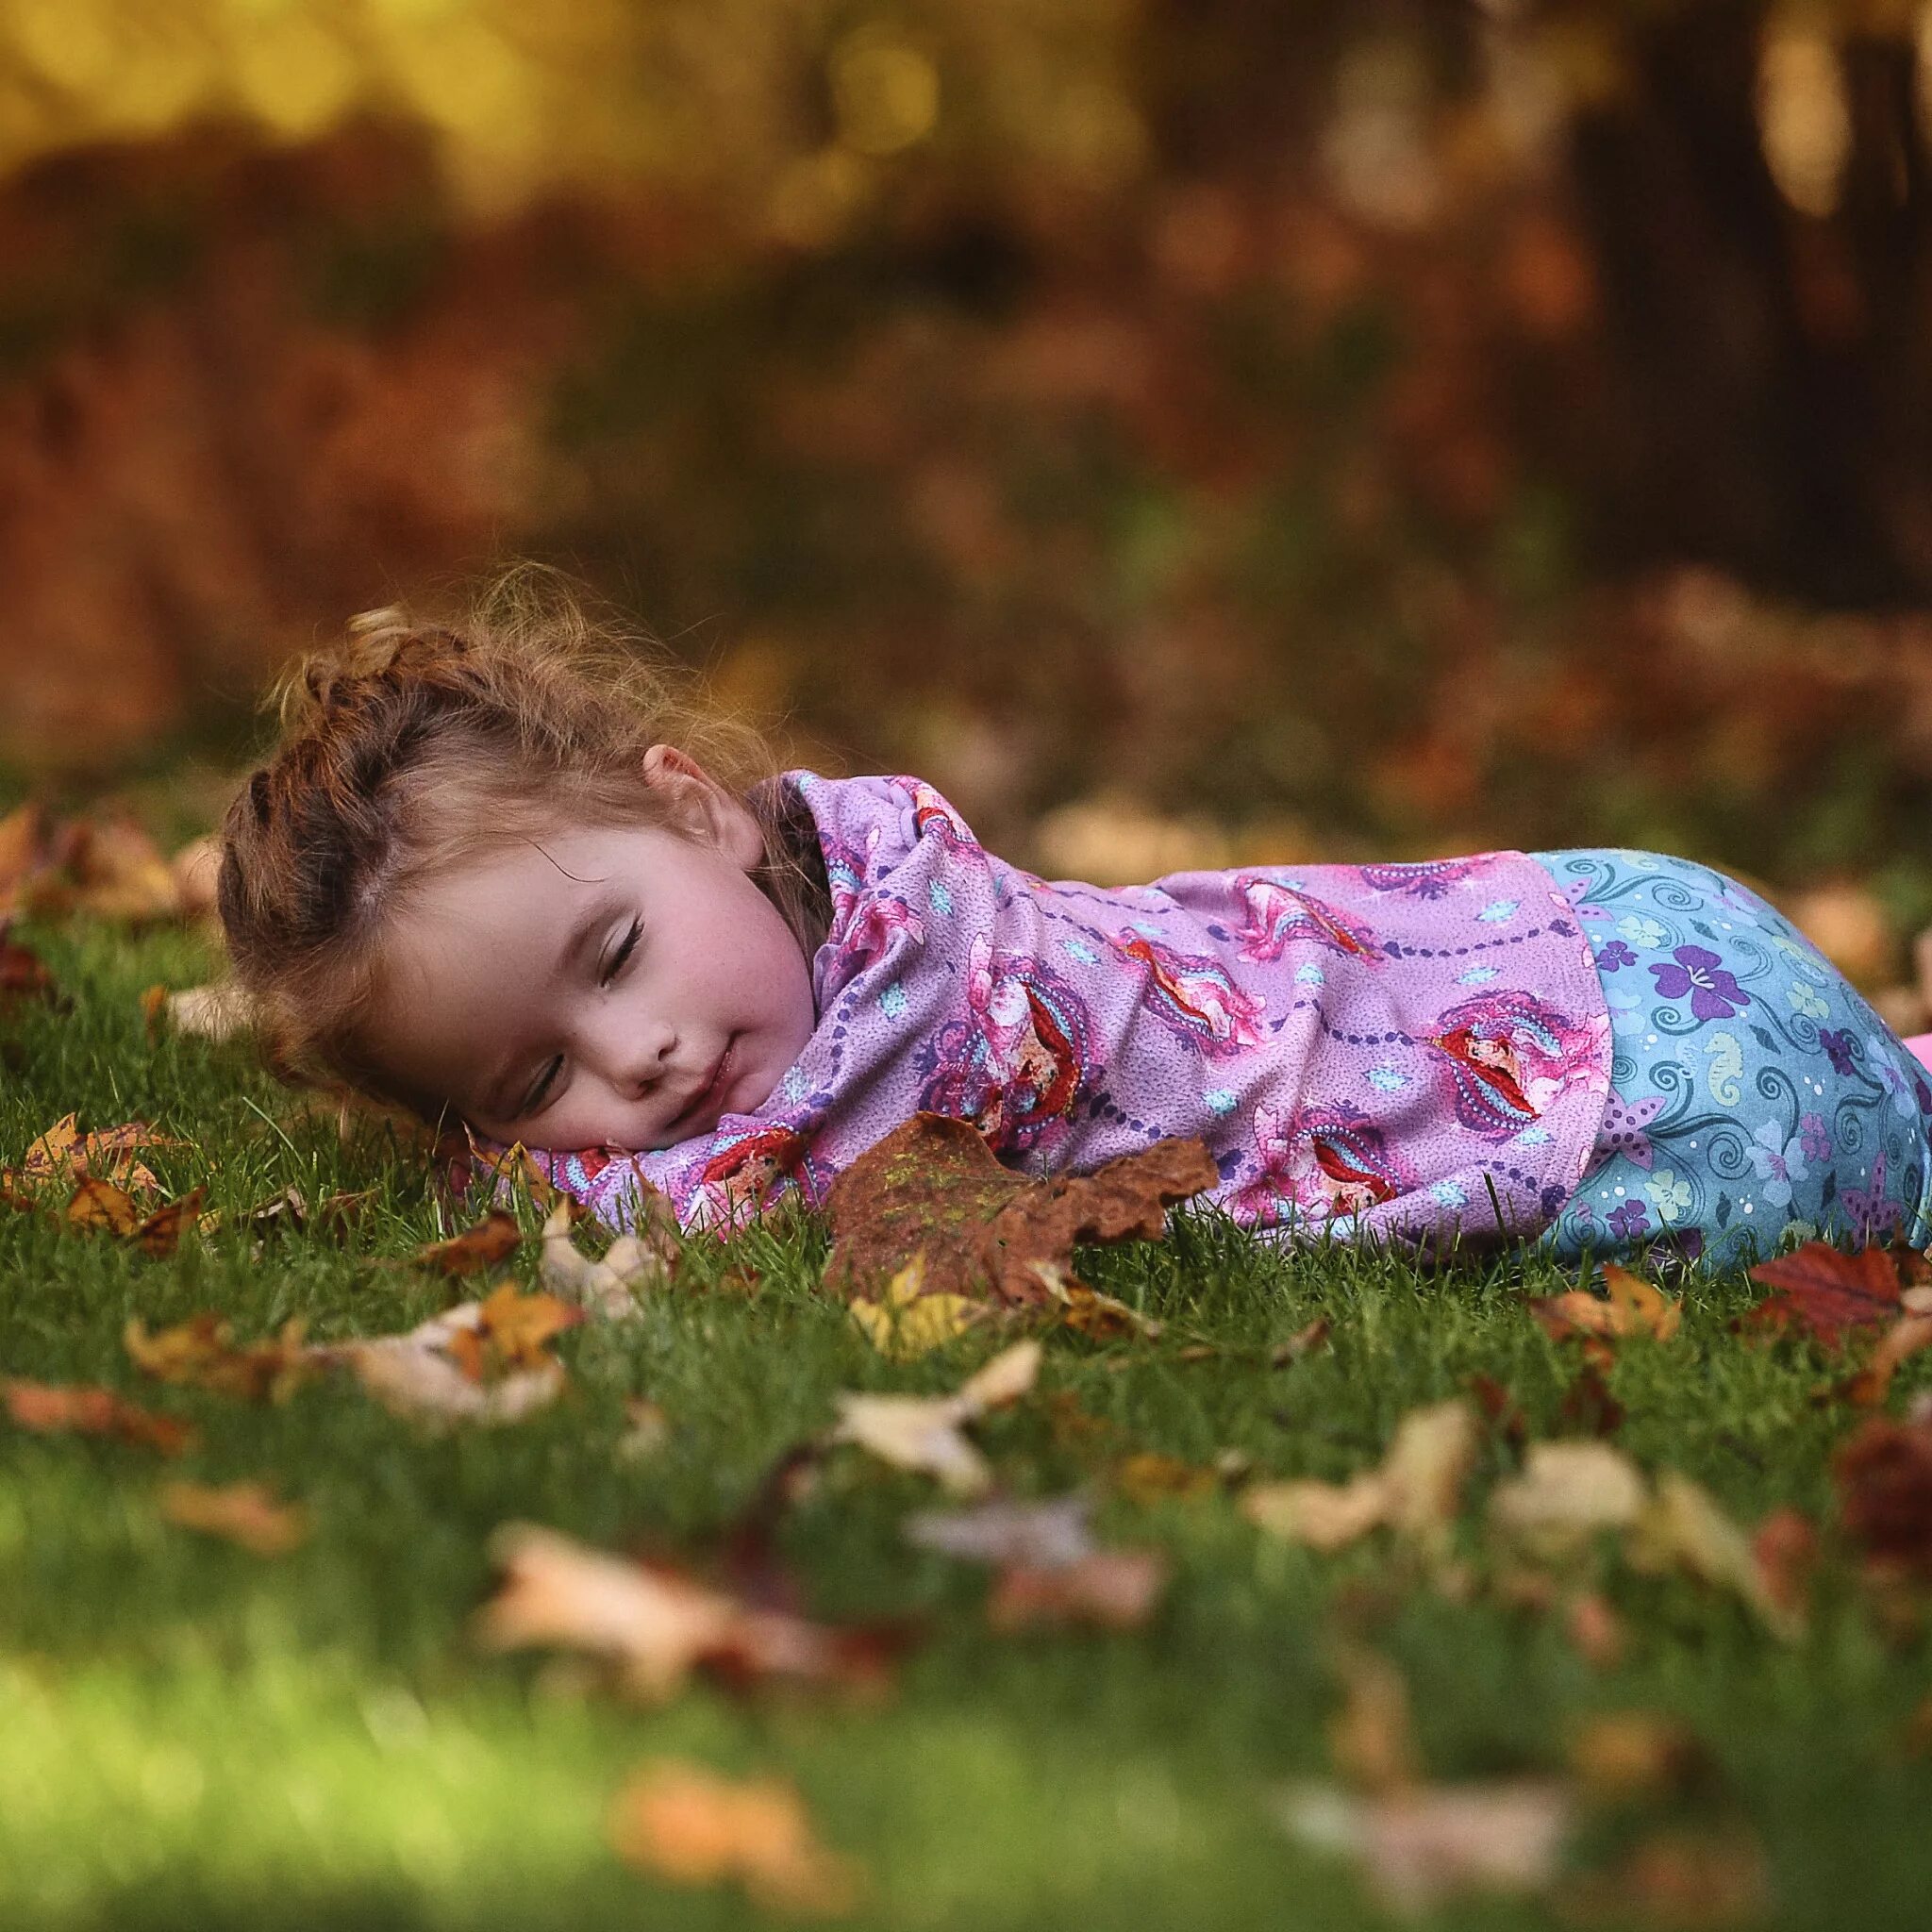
point(192, 1736)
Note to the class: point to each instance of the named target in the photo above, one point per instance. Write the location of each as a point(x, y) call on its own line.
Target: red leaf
point(1826, 1291)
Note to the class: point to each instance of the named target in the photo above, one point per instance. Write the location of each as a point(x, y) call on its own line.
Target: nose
point(631, 1057)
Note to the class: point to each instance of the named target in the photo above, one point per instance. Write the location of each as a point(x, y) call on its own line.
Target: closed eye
point(545, 1081)
point(625, 948)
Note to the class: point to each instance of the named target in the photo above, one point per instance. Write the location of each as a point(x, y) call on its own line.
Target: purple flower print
point(1715, 994)
point(1839, 1045)
point(1629, 1221)
point(1779, 1162)
point(1614, 955)
point(1814, 1137)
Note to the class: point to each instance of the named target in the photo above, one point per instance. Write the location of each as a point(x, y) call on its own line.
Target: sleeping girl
point(509, 872)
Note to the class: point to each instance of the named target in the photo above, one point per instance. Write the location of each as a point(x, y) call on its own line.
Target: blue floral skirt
point(1756, 1099)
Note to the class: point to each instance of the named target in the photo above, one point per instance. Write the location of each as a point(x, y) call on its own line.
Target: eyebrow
point(596, 918)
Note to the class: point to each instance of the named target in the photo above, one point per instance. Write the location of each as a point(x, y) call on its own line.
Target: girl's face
point(600, 987)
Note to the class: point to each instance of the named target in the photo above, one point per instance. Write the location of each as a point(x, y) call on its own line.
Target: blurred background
point(1187, 431)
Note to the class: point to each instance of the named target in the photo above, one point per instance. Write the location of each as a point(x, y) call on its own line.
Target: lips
point(721, 1074)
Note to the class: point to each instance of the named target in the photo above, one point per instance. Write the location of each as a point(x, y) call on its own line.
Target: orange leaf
point(201, 1352)
point(49, 1407)
point(680, 1822)
point(493, 1239)
point(1629, 1306)
point(98, 1203)
point(245, 1514)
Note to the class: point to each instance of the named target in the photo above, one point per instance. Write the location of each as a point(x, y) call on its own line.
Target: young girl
point(504, 874)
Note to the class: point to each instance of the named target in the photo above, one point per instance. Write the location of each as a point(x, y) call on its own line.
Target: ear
point(702, 808)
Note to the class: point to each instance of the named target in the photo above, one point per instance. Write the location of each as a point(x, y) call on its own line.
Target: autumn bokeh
point(1186, 430)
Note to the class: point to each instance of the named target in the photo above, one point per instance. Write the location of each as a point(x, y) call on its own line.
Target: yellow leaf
point(907, 1323)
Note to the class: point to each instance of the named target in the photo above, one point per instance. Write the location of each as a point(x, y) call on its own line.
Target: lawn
point(195, 1735)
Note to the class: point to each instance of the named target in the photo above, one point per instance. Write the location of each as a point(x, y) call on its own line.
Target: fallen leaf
point(287, 1210)
point(1784, 1548)
point(245, 1512)
point(921, 1433)
point(201, 1351)
point(1499, 1409)
point(907, 1322)
point(1567, 1493)
point(933, 1185)
point(160, 1233)
point(608, 1287)
point(1113, 1589)
point(23, 975)
point(100, 1205)
point(1031, 1535)
point(1086, 1311)
point(1629, 1306)
point(655, 1624)
point(1687, 1880)
point(1626, 1754)
point(1869, 1387)
point(1145, 1478)
point(1884, 1475)
point(1304, 1341)
point(335, 1214)
point(452, 1369)
point(1416, 1492)
point(1824, 1292)
point(49, 1408)
point(1683, 1526)
point(1371, 1739)
point(510, 1333)
point(1596, 1630)
point(62, 1157)
point(680, 1822)
point(647, 1428)
point(1420, 1847)
point(1588, 1408)
point(493, 1239)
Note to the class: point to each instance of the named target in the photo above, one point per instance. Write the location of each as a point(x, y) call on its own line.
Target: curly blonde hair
point(413, 747)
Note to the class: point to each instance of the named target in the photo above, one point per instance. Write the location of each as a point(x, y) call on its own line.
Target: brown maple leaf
point(1825, 1292)
point(202, 1351)
point(1629, 1306)
point(244, 1513)
point(933, 1187)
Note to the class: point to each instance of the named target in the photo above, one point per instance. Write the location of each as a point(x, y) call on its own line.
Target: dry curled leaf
point(906, 1322)
point(244, 1513)
point(933, 1185)
point(493, 1239)
point(1684, 1527)
point(214, 1013)
point(925, 1432)
point(1629, 1306)
point(685, 1823)
point(1035, 1536)
point(460, 1365)
point(1304, 1341)
point(1416, 1492)
point(654, 1625)
point(201, 1351)
point(50, 1407)
point(1567, 1493)
point(609, 1286)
